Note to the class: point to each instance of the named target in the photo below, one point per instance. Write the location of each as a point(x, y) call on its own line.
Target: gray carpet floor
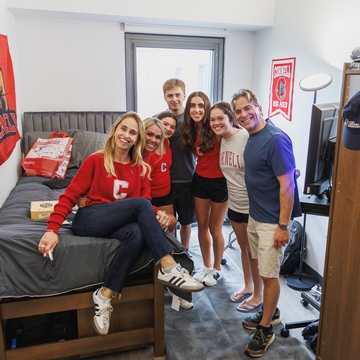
point(212, 329)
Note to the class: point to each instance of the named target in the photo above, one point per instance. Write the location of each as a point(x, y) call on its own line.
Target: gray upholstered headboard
point(97, 121)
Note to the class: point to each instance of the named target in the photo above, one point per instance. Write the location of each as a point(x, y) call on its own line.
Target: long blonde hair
point(135, 151)
point(155, 121)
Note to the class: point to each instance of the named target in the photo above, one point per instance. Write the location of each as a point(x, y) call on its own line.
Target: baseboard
point(312, 273)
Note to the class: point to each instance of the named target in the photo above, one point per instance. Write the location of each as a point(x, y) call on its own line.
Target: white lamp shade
point(315, 82)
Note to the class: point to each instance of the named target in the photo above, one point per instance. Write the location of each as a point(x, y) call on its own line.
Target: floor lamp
point(314, 83)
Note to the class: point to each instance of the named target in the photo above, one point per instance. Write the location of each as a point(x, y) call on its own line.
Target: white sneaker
point(212, 277)
point(178, 277)
point(187, 305)
point(102, 316)
point(202, 273)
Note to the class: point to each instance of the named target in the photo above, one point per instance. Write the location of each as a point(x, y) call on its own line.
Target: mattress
point(79, 262)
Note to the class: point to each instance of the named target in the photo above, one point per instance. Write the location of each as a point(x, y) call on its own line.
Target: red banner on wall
point(9, 134)
point(282, 87)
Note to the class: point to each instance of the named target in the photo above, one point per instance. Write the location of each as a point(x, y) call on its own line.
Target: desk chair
point(305, 301)
point(229, 245)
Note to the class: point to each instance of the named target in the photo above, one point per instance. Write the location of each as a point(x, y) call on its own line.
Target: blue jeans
point(132, 221)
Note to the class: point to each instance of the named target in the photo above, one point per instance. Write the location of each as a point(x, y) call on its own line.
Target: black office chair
point(230, 240)
point(305, 301)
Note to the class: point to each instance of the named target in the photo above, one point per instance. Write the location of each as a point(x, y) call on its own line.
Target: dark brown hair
point(188, 131)
point(165, 114)
point(226, 108)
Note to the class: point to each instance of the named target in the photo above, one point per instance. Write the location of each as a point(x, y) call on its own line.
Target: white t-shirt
point(233, 167)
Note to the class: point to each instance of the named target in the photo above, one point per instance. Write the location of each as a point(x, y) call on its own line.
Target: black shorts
point(183, 201)
point(213, 189)
point(237, 217)
point(163, 200)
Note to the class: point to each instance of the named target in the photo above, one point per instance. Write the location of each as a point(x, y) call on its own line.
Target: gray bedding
point(79, 262)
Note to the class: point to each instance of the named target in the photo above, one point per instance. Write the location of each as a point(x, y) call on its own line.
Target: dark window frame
point(134, 40)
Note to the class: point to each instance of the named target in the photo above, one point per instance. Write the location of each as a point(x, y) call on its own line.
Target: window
point(152, 59)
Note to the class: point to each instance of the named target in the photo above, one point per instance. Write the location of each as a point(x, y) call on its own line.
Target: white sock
point(102, 297)
point(168, 270)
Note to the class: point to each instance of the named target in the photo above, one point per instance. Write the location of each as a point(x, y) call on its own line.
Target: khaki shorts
point(261, 241)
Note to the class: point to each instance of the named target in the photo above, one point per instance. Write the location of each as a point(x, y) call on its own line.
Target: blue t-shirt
point(268, 154)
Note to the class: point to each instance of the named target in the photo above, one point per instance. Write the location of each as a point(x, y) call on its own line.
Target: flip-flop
point(239, 296)
point(249, 307)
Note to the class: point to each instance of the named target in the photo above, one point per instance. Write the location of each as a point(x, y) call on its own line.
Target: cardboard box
point(41, 210)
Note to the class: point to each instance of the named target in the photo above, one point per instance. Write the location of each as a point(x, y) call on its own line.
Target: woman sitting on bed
point(117, 184)
point(158, 155)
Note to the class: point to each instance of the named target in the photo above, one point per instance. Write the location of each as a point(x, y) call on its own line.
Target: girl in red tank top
point(209, 184)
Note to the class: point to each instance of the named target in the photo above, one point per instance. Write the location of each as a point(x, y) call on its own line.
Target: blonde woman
point(158, 155)
point(117, 185)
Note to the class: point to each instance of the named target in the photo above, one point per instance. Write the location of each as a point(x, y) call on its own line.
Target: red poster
point(9, 134)
point(282, 87)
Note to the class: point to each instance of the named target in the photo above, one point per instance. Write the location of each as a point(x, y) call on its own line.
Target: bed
point(45, 306)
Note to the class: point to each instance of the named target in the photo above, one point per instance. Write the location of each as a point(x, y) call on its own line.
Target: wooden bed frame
point(137, 321)
point(138, 318)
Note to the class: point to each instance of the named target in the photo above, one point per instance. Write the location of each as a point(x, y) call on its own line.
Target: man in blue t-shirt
point(274, 201)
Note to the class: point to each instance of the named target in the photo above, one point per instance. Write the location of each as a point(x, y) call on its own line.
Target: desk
point(313, 205)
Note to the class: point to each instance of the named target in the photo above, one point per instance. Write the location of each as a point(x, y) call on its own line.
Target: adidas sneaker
point(102, 315)
point(187, 305)
point(212, 277)
point(178, 277)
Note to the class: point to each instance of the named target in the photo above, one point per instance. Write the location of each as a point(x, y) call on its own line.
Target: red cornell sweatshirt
point(93, 181)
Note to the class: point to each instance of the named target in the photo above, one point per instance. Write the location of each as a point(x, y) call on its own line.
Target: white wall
point(238, 69)
point(204, 13)
point(71, 65)
point(10, 170)
point(80, 65)
point(320, 34)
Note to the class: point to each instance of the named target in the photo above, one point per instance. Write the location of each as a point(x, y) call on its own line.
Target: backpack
point(291, 259)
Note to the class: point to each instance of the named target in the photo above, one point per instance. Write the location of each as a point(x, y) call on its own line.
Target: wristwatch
point(284, 226)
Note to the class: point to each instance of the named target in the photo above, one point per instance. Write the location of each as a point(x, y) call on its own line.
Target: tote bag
point(49, 157)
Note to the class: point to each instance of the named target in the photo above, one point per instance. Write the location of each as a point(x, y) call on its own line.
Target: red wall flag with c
point(9, 134)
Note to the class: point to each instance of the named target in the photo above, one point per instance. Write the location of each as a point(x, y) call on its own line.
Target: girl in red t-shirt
point(209, 184)
point(158, 155)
